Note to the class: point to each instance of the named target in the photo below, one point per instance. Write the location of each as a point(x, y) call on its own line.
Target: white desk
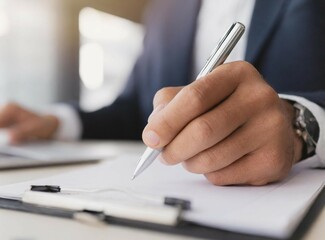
point(17, 225)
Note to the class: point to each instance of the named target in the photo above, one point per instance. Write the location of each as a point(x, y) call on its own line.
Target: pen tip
point(133, 177)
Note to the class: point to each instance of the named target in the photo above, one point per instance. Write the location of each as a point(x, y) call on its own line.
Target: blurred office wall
point(109, 46)
point(40, 42)
point(29, 52)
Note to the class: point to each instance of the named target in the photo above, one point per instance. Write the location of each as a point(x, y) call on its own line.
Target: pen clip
point(223, 49)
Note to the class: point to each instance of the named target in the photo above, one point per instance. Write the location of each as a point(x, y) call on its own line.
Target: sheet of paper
point(274, 210)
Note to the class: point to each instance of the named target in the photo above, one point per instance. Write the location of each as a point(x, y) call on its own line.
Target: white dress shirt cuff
point(319, 114)
point(70, 127)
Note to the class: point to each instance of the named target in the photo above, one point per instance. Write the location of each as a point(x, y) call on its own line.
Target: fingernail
point(155, 111)
point(151, 138)
point(162, 160)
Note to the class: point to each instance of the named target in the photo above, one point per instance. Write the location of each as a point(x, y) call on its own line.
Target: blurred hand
point(23, 125)
point(230, 126)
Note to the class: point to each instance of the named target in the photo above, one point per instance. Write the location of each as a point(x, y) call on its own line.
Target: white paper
point(274, 210)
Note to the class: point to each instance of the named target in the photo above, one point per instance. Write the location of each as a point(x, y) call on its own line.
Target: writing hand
point(230, 126)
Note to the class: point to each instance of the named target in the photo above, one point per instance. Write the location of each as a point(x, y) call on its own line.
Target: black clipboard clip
point(93, 212)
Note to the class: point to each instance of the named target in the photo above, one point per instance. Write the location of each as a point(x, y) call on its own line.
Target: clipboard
point(274, 211)
point(184, 228)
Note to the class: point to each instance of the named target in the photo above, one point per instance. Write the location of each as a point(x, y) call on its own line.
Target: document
point(274, 210)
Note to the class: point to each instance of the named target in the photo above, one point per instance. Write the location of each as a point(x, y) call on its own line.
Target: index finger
point(192, 101)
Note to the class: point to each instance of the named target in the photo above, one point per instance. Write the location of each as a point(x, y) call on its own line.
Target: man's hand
point(23, 125)
point(230, 126)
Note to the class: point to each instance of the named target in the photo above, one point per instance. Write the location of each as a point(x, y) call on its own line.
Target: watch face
point(307, 127)
point(312, 127)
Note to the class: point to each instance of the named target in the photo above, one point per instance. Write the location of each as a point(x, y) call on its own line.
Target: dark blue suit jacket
point(286, 43)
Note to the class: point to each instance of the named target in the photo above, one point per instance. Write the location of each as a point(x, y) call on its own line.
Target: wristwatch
point(307, 128)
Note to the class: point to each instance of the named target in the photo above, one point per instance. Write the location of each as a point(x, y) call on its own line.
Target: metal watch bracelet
point(307, 128)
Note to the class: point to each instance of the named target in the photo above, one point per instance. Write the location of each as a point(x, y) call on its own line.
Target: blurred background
point(67, 50)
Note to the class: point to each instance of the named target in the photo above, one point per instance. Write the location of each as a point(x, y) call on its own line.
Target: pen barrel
point(146, 160)
point(223, 49)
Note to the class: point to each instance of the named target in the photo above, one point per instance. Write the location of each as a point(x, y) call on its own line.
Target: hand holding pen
point(230, 126)
point(218, 56)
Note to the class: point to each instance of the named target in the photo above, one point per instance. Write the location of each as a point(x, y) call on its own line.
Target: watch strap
point(307, 128)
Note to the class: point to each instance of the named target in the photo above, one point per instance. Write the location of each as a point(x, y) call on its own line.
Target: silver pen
point(218, 57)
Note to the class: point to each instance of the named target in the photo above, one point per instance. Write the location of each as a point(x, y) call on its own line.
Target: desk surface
point(17, 225)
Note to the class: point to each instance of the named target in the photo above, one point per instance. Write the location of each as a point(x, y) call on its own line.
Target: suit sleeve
point(124, 118)
point(120, 120)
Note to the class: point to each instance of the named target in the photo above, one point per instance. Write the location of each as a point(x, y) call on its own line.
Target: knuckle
point(267, 94)
point(243, 67)
point(262, 95)
point(227, 116)
point(203, 163)
point(211, 161)
point(171, 158)
point(166, 124)
point(202, 130)
point(161, 95)
point(194, 95)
